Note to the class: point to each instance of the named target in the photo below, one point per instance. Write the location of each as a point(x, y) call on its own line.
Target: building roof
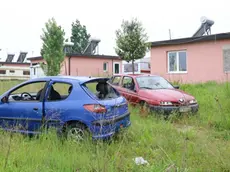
point(14, 63)
point(214, 37)
point(80, 55)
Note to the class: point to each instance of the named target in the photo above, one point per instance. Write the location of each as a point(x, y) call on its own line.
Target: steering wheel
point(26, 98)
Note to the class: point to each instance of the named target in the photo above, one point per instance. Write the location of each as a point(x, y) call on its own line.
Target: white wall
point(141, 64)
point(36, 71)
point(14, 73)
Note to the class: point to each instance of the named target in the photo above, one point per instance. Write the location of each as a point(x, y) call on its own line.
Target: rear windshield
point(101, 90)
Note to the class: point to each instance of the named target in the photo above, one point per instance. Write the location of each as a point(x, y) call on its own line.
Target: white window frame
point(106, 66)
point(177, 59)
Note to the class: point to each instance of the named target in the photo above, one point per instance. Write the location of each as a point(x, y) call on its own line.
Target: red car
point(154, 91)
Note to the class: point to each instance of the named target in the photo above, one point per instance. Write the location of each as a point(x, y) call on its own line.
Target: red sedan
point(154, 91)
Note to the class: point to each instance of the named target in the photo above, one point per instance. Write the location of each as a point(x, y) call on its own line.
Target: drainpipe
point(69, 64)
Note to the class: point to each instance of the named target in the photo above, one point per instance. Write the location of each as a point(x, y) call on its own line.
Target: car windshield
point(153, 82)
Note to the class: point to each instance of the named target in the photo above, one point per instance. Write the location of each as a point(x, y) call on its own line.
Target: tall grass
point(7, 84)
point(198, 142)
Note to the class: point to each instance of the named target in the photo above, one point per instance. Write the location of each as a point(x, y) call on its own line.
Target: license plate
point(185, 109)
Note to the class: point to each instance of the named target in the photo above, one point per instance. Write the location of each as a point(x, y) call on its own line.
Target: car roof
point(80, 79)
point(134, 75)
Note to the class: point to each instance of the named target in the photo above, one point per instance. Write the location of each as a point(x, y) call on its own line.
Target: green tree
point(131, 41)
point(53, 47)
point(79, 37)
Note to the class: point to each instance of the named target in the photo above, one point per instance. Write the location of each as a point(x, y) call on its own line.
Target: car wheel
point(76, 132)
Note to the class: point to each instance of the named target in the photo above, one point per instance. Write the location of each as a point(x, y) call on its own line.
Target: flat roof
point(214, 37)
point(14, 63)
point(80, 55)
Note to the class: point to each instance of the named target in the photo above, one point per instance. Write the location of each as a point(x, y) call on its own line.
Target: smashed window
point(101, 90)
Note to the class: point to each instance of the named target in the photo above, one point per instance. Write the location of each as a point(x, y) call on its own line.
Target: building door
point(116, 68)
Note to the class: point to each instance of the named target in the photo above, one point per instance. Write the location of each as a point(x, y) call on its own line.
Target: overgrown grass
point(191, 143)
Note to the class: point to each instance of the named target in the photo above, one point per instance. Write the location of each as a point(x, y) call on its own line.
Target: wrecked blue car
point(75, 106)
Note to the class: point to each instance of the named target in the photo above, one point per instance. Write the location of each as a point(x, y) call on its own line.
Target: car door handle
point(35, 108)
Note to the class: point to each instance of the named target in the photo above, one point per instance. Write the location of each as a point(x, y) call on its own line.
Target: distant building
point(81, 65)
point(18, 70)
point(194, 59)
point(140, 66)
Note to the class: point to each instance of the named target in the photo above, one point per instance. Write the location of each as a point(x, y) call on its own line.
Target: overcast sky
point(21, 21)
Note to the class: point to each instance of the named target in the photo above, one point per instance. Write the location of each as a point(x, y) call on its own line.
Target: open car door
point(21, 110)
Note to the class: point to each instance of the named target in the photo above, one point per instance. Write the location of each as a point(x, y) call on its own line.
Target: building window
point(3, 72)
point(105, 66)
point(12, 71)
point(177, 62)
point(26, 72)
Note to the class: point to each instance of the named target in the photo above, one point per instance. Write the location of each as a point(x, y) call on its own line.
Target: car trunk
point(114, 103)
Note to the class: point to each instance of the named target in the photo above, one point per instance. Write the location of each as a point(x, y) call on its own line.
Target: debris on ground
point(140, 161)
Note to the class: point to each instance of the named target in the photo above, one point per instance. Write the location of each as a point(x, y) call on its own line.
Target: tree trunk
point(133, 66)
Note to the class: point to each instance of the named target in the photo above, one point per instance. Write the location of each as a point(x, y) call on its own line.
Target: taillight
point(96, 108)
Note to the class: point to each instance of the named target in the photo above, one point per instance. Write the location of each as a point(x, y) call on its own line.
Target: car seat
point(102, 90)
point(54, 95)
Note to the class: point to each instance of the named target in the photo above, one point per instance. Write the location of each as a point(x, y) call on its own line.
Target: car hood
point(172, 95)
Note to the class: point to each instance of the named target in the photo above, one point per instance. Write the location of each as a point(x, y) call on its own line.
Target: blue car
point(76, 106)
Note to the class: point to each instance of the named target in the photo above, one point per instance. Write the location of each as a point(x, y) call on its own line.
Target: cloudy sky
point(21, 21)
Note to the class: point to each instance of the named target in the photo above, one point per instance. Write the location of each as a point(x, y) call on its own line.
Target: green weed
point(198, 142)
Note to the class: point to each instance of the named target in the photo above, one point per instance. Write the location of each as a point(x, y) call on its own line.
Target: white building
point(36, 71)
point(14, 72)
point(140, 66)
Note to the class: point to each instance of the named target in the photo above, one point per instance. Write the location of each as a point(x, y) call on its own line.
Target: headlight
point(165, 103)
point(192, 101)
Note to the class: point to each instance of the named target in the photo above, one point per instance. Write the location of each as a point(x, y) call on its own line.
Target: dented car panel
point(51, 106)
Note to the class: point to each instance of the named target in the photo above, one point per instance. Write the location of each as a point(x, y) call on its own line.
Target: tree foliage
point(53, 47)
point(79, 37)
point(131, 41)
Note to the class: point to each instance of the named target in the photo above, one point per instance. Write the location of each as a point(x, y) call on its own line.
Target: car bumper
point(106, 128)
point(170, 109)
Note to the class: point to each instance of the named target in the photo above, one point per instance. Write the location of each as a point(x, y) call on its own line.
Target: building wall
point(65, 66)
point(85, 66)
point(14, 72)
point(204, 62)
point(82, 66)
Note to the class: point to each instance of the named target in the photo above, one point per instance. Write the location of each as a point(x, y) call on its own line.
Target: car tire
point(76, 132)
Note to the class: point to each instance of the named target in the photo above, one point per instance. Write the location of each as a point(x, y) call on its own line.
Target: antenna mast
point(170, 34)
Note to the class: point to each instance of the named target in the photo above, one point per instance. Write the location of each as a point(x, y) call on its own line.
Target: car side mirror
point(4, 99)
point(176, 86)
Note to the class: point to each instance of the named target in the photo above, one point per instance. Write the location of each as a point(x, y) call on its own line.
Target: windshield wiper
point(147, 88)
